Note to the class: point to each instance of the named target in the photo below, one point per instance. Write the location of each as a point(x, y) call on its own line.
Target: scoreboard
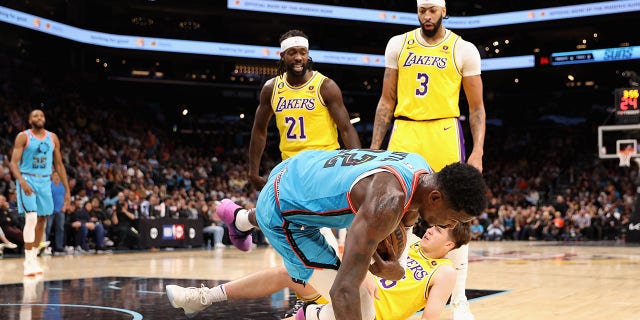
point(626, 105)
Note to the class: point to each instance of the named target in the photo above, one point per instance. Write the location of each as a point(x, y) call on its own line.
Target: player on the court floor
point(427, 283)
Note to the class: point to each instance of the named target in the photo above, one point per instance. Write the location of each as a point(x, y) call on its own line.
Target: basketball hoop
point(625, 157)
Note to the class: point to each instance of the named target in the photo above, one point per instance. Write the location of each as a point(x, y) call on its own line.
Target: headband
point(439, 3)
point(294, 42)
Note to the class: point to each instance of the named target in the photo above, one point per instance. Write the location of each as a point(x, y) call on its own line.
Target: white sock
point(242, 221)
point(460, 259)
point(29, 231)
point(217, 294)
point(31, 254)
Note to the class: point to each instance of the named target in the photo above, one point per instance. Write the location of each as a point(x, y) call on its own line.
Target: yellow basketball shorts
point(440, 141)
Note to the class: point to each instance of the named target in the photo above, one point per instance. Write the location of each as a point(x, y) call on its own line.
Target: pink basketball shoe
point(227, 212)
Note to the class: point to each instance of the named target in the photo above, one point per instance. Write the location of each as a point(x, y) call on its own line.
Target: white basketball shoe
point(191, 299)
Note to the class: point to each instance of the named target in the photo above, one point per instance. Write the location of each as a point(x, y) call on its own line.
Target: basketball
point(395, 241)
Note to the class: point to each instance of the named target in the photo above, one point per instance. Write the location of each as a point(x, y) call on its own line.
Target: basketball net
point(625, 157)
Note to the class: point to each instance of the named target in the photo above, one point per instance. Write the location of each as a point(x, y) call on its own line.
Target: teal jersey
point(37, 156)
point(313, 187)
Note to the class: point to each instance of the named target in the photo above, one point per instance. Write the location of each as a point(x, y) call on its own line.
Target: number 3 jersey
point(37, 156)
point(313, 188)
point(302, 117)
point(428, 78)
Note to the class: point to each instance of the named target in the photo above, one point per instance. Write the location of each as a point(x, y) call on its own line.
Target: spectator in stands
point(133, 202)
point(156, 209)
point(477, 230)
point(145, 207)
point(6, 184)
point(11, 222)
point(495, 230)
point(124, 222)
point(56, 221)
point(213, 226)
point(506, 214)
point(560, 204)
point(533, 225)
point(85, 223)
point(98, 210)
point(5, 242)
point(582, 221)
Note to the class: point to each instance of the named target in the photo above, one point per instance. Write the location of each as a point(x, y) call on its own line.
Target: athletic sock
point(217, 294)
point(242, 220)
point(460, 259)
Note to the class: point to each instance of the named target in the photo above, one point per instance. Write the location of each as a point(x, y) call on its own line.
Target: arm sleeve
point(468, 58)
point(392, 51)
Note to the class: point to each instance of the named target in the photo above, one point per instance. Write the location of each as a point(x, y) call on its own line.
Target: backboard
point(612, 140)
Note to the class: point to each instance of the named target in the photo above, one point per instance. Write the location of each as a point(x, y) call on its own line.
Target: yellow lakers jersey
point(401, 299)
point(302, 118)
point(428, 78)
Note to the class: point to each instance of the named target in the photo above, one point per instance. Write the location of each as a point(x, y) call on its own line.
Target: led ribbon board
point(65, 31)
point(410, 18)
point(597, 55)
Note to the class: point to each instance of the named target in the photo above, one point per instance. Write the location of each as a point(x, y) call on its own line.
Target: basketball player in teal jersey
point(36, 151)
point(369, 191)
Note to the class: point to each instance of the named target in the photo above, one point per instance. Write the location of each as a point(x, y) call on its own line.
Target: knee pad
point(30, 222)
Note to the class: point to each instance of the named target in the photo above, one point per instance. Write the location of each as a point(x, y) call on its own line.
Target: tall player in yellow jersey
point(307, 105)
point(427, 283)
point(309, 113)
point(425, 69)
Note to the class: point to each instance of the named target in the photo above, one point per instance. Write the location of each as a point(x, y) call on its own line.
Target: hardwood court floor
point(535, 280)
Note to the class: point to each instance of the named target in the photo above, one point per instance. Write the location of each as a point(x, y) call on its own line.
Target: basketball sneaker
point(461, 310)
point(192, 300)
point(9, 245)
point(293, 311)
point(31, 264)
point(227, 212)
point(302, 311)
point(42, 246)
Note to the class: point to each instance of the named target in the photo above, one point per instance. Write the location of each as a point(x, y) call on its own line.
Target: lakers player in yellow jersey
point(425, 70)
point(308, 108)
point(427, 284)
point(429, 277)
point(309, 113)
